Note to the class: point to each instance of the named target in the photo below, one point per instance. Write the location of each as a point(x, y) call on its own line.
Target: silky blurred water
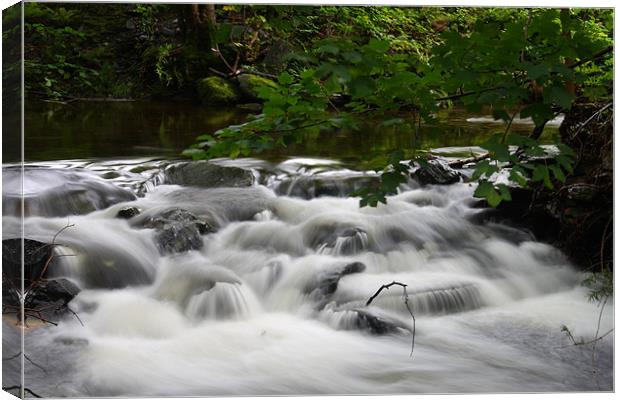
point(265, 308)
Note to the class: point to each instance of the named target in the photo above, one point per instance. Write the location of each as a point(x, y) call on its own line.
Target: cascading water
point(273, 301)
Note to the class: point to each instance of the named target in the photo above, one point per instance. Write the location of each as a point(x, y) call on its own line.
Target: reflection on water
point(86, 130)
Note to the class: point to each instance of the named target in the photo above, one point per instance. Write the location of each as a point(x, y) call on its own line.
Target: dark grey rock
point(375, 324)
point(252, 107)
point(36, 255)
point(582, 192)
point(436, 172)
point(50, 291)
point(178, 230)
point(343, 240)
point(309, 187)
point(327, 284)
point(128, 212)
point(55, 192)
point(207, 175)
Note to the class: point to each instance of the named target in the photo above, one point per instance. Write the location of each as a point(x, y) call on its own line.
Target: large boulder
point(249, 85)
point(177, 230)
point(214, 90)
point(36, 256)
point(52, 291)
point(436, 172)
point(326, 284)
point(55, 192)
point(207, 175)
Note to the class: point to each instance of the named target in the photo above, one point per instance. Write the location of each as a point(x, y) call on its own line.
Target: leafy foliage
point(526, 162)
point(601, 284)
point(512, 61)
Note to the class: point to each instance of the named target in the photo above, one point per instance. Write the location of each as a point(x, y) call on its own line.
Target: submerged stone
point(52, 192)
point(375, 324)
point(340, 240)
point(309, 187)
point(128, 212)
point(207, 175)
point(327, 284)
point(177, 230)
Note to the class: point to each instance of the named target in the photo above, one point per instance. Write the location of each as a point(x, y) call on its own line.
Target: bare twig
point(406, 299)
point(590, 119)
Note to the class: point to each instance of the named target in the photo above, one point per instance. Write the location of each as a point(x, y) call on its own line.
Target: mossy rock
point(217, 91)
point(249, 85)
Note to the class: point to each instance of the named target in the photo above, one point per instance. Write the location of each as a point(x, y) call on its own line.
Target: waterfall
point(273, 301)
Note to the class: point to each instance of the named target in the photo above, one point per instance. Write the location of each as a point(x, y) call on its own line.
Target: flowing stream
point(274, 301)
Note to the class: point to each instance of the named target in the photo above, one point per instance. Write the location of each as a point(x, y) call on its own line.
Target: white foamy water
point(274, 302)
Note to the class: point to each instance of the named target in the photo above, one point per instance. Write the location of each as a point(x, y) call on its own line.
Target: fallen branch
point(460, 163)
point(8, 388)
point(406, 299)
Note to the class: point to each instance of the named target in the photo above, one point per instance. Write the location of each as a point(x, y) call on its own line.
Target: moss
point(215, 90)
point(249, 85)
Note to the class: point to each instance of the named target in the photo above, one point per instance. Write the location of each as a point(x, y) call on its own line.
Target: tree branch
point(595, 56)
point(406, 299)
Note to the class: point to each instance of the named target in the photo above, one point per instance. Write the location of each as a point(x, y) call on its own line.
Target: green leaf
point(493, 198)
point(499, 151)
point(504, 192)
point(565, 162)
point(541, 173)
point(560, 96)
point(539, 112)
point(536, 71)
point(557, 172)
point(517, 174)
point(285, 78)
point(501, 114)
point(362, 87)
point(483, 189)
point(379, 46)
point(352, 56)
point(328, 48)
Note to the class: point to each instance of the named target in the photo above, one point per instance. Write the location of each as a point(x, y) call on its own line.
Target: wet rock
point(53, 291)
point(317, 186)
point(53, 192)
point(220, 205)
point(375, 324)
point(214, 90)
point(436, 172)
point(249, 85)
point(128, 212)
point(36, 255)
point(178, 230)
point(252, 107)
point(327, 284)
point(582, 192)
point(341, 240)
point(207, 175)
